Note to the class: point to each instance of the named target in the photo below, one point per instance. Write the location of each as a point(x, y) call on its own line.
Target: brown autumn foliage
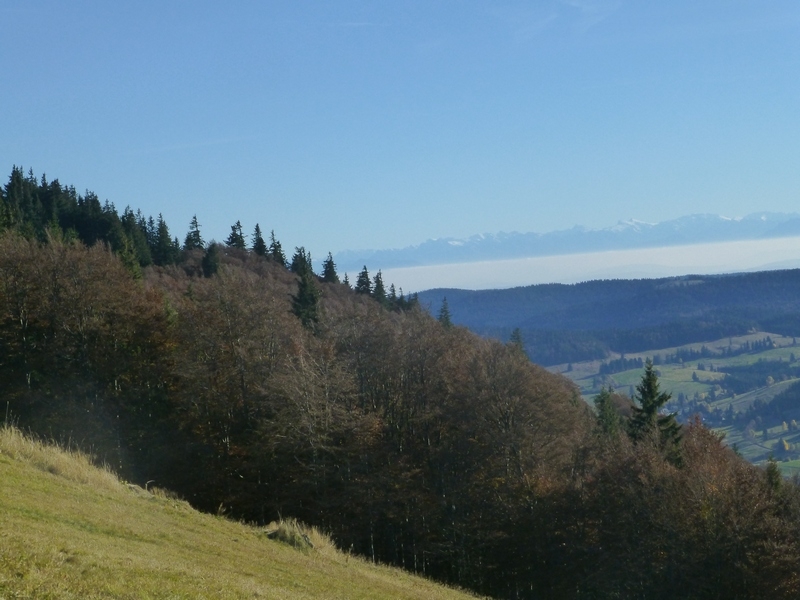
point(413, 444)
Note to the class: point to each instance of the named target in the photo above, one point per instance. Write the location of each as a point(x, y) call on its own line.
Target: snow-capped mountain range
point(691, 229)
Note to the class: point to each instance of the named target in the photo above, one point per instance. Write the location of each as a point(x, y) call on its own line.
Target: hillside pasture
point(73, 531)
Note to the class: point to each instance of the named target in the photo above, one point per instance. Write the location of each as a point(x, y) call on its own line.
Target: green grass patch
point(71, 530)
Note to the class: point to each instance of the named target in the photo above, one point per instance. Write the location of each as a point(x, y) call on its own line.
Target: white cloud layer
point(722, 257)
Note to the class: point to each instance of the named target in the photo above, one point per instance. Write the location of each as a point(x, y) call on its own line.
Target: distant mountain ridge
point(691, 229)
point(563, 323)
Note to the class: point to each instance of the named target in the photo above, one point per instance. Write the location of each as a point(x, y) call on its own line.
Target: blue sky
point(347, 125)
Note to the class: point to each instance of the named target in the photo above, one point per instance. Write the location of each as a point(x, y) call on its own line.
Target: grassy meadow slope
point(71, 530)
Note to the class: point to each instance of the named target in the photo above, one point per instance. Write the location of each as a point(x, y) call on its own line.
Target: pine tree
point(378, 291)
point(194, 240)
point(772, 474)
point(211, 259)
point(301, 261)
point(516, 341)
point(646, 420)
point(135, 228)
point(275, 250)
point(444, 314)
point(346, 280)
point(608, 420)
point(151, 233)
point(329, 270)
point(363, 284)
point(259, 246)
point(165, 251)
point(236, 238)
point(305, 303)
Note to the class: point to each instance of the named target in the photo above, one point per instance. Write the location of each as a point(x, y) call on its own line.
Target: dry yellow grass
point(71, 530)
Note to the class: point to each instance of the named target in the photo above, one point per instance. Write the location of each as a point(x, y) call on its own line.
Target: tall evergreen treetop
point(236, 238)
point(275, 250)
point(301, 261)
point(194, 241)
point(646, 419)
point(329, 270)
point(444, 314)
point(305, 304)
point(210, 262)
point(165, 249)
point(259, 245)
point(516, 340)
point(378, 290)
point(609, 421)
point(134, 226)
point(363, 284)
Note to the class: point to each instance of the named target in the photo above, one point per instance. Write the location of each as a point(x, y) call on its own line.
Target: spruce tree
point(151, 233)
point(444, 314)
point(329, 270)
point(135, 227)
point(301, 261)
point(211, 259)
point(772, 474)
point(346, 280)
point(516, 341)
point(363, 284)
point(305, 302)
point(236, 238)
point(275, 250)
point(378, 290)
point(647, 421)
point(164, 251)
point(608, 419)
point(259, 245)
point(194, 240)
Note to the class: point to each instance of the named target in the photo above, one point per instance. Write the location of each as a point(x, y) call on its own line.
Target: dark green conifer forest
point(261, 391)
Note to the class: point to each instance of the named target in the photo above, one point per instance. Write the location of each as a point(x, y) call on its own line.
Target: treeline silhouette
point(413, 441)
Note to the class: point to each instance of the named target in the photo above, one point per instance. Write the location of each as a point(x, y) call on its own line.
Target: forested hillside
point(260, 389)
point(570, 323)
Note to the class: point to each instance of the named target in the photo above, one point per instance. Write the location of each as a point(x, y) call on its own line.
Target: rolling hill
point(569, 323)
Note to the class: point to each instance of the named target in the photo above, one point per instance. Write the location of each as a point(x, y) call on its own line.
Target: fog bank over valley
point(701, 259)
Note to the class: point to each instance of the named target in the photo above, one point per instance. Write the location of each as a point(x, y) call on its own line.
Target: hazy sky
point(348, 124)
